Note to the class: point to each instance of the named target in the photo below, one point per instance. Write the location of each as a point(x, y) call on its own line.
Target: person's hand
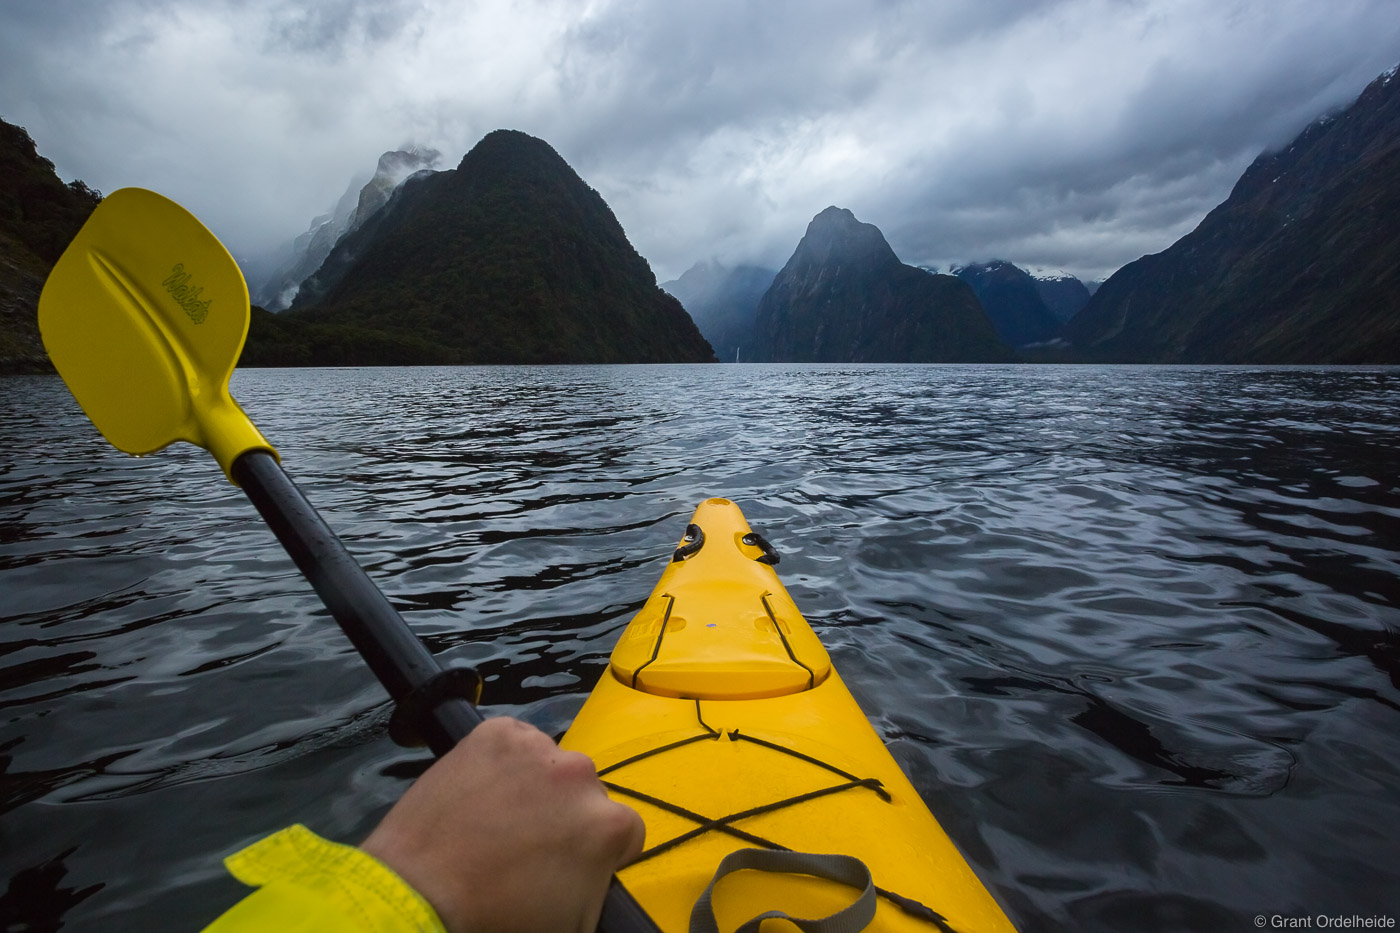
point(508, 832)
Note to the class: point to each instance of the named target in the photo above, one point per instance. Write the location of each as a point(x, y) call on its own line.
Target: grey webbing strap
point(840, 868)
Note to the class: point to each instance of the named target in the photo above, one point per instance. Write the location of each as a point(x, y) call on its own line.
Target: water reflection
point(36, 898)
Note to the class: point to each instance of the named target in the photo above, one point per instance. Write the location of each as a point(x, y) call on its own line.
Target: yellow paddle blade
point(144, 317)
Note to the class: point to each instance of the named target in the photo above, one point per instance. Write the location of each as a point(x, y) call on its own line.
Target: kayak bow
point(722, 721)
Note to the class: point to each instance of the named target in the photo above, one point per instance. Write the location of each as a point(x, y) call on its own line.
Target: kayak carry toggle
point(691, 544)
point(770, 553)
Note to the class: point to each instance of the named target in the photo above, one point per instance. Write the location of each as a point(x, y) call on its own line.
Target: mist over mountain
point(39, 216)
point(723, 300)
point(509, 258)
point(274, 281)
point(1301, 264)
point(844, 297)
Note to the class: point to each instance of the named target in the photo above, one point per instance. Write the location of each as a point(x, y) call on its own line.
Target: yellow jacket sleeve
point(307, 884)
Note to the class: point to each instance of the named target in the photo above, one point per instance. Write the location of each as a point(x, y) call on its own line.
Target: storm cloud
point(1076, 135)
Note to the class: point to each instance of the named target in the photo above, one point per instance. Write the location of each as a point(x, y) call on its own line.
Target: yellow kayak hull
point(767, 751)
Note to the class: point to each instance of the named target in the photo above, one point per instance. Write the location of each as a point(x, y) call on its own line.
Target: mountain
point(844, 297)
point(295, 261)
point(722, 301)
point(361, 200)
point(39, 216)
point(1064, 294)
point(1301, 264)
point(1012, 300)
point(393, 169)
point(509, 258)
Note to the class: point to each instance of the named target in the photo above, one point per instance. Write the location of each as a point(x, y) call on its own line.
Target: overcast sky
point(1075, 135)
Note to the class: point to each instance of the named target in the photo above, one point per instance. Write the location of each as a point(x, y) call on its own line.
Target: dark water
point(1135, 633)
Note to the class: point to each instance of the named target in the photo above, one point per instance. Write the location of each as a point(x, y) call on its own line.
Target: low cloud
point(1074, 135)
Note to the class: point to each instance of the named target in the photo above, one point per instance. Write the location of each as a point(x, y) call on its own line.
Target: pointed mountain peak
point(398, 164)
point(836, 215)
point(512, 150)
point(393, 168)
point(511, 258)
point(835, 235)
point(844, 297)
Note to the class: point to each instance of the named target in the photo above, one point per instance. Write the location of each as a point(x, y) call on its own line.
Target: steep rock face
point(1301, 264)
point(509, 258)
point(1064, 295)
point(1011, 299)
point(392, 170)
point(39, 216)
point(361, 200)
point(722, 300)
point(844, 297)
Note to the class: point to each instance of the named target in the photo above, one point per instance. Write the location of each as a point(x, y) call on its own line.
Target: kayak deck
point(723, 723)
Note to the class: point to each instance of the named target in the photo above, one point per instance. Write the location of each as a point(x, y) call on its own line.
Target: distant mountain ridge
point(508, 258)
point(723, 300)
point(844, 297)
point(1012, 299)
point(1301, 264)
point(1064, 295)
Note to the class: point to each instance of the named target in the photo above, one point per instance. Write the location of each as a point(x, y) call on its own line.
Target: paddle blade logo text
point(178, 285)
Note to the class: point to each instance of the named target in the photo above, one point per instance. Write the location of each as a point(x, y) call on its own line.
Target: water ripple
point(1133, 632)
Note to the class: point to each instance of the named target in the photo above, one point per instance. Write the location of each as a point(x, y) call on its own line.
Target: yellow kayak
point(722, 721)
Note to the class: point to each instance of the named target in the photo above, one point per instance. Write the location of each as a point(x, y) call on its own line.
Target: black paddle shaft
point(400, 661)
point(378, 632)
